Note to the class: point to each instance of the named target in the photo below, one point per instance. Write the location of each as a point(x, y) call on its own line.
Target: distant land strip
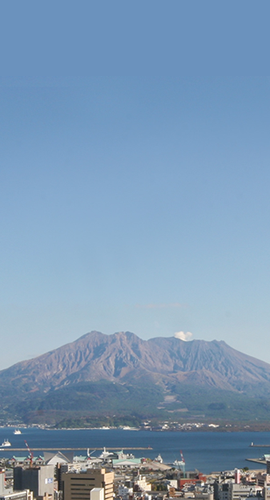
point(260, 445)
point(8, 448)
point(256, 460)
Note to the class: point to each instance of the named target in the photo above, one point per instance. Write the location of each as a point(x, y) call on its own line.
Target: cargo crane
point(89, 454)
point(181, 464)
point(30, 454)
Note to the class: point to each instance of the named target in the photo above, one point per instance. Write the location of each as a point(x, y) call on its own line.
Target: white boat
point(105, 455)
point(179, 464)
point(6, 443)
point(17, 431)
point(159, 459)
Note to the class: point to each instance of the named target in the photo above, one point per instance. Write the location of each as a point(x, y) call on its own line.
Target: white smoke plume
point(183, 336)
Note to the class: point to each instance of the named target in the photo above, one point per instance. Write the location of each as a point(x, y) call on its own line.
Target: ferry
point(6, 443)
point(17, 431)
point(127, 428)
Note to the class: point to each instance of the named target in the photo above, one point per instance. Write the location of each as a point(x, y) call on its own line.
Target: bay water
point(205, 451)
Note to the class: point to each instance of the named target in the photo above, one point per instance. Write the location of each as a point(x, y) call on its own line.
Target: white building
point(97, 494)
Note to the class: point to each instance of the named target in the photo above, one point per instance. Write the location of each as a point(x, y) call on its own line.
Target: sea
point(205, 451)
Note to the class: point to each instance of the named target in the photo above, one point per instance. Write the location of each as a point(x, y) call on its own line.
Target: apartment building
point(77, 485)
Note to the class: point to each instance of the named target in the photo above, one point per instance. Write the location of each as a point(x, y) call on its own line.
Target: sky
point(134, 204)
point(134, 172)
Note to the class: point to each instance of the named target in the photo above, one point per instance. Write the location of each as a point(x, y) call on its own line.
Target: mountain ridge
point(153, 368)
point(113, 357)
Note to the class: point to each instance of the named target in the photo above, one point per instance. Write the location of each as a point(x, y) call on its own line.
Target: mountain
point(124, 374)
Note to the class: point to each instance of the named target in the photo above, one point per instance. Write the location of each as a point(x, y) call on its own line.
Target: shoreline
point(203, 429)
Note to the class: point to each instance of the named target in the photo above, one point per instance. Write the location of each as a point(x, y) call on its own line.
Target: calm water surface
point(205, 451)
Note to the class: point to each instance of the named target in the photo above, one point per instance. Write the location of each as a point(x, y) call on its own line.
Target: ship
point(6, 443)
point(180, 464)
point(17, 431)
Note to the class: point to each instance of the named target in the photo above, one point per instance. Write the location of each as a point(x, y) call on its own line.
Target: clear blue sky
point(137, 204)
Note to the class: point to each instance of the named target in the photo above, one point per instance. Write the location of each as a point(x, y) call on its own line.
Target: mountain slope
point(124, 356)
point(155, 369)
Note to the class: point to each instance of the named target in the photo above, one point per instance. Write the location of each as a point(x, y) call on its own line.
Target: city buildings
point(39, 480)
point(77, 485)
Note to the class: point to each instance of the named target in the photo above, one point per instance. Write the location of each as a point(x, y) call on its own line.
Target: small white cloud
point(183, 336)
point(177, 305)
